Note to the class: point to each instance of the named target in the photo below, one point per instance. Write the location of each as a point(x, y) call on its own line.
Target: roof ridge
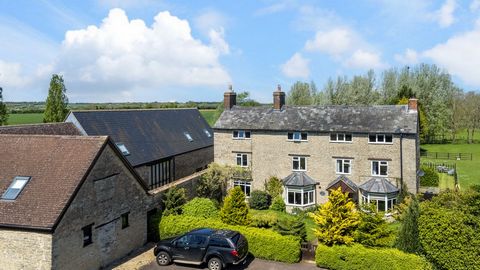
point(126, 110)
point(79, 137)
point(36, 124)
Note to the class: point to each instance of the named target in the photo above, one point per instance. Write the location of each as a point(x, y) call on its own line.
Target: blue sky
point(145, 50)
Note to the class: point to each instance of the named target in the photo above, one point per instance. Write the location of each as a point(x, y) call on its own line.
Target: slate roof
point(344, 179)
point(361, 119)
point(299, 179)
point(378, 185)
point(42, 129)
point(149, 135)
point(56, 165)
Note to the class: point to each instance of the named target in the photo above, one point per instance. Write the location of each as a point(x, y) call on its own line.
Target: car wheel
point(163, 258)
point(215, 264)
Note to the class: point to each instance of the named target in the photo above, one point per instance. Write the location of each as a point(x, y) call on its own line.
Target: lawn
point(468, 170)
point(33, 118)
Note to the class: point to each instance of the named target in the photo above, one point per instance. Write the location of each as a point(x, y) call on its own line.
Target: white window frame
point(343, 161)
point(242, 134)
point(380, 135)
point(188, 136)
point(344, 140)
point(309, 191)
point(297, 136)
point(243, 157)
point(298, 159)
point(123, 149)
point(380, 164)
point(17, 186)
point(374, 199)
point(243, 185)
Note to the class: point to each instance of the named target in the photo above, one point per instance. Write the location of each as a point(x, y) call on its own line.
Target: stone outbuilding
point(68, 202)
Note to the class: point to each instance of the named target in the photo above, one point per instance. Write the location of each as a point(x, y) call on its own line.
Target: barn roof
point(149, 135)
point(42, 129)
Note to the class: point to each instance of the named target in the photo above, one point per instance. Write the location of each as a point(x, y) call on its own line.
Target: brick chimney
point(412, 105)
point(278, 98)
point(229, 98)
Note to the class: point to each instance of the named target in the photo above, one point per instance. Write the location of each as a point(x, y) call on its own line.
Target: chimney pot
point(229, 98)
point(278, 98)
point(412, 105)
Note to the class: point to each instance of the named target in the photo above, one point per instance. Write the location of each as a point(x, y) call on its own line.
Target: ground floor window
point(300, 196)
point(246, 186)
point(382, 203)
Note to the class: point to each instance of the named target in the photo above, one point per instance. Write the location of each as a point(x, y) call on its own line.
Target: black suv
point(217, 248)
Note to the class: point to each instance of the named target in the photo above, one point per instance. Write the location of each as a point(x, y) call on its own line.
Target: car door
point(190, 247)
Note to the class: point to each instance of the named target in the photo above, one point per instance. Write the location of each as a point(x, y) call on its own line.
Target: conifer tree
point(174, 199)
point(336, 220)
point(3, 110)
point(235, 210)
point(408, 237)
point(373, 230)
point(57, 101)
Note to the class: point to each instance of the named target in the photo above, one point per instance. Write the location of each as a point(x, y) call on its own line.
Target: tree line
point(444, 108)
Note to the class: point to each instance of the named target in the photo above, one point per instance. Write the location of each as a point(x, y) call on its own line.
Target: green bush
point(373, 230)
point(408, 239)
point(259, 200)
point(357, 257)
point(263, 219)
point(449, 231)
point(235, 210)
point(174, 199)
point(278, 204)
point(201, 207)
point(262, 243)
point(274, 187)
point(291, 225)
point(430, 178)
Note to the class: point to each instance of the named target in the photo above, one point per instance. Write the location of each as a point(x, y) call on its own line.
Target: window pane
point(374, 167)
point(298, 198)
point(305, 198)
point(380, 138)
point(346, 166)
point(247, 134)
point(372, 138)
point(291, 196)
point(383, 170)
point(339, 165)
point(381, 205)
point(348, 137)
point(235, 134)
point(295, 163)
point(296, 136)
point(239, 160)
point(247, 189)
point(241, 134)
point(304, 136)
point(303, 164)
point(388, 138)
point(341, 136)
point(290, 135)
point(333, 136)
point(245, 160)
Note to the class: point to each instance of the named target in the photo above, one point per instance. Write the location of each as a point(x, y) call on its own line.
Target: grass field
point(468, 170)
point(33, 118)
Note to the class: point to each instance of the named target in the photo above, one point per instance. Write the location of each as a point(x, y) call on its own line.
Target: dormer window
point(241, 134)
point(380, 138)
point(297, 136)
point(123, 149)
point(15, 188)
point(188, 136)
point(340, 137)
point(207, 133)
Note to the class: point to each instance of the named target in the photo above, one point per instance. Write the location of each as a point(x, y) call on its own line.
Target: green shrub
point(263, 219)
point(278, 204)
point(430, 178)
point(449, 232)
point(262, 243)
point(259, 200)
point(357, 257)
point(201, 207)
point(174, 199)
point(291, 225)
point(408, 239)
point(274, 187)
point(373, 230)
point(235, 210)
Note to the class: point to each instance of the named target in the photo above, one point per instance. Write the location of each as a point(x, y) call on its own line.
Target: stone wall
point(25, 250)
point(270, 154)
point(191, 162)
point(109, 191)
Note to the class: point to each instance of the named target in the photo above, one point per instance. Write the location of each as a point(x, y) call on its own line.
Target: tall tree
point(301, 93)
point(3, 110)
point(57, 101)
point(408, 237)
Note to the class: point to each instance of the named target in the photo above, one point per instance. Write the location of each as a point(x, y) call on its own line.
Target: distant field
point(468, 170)
point(33, 118)
point(25, 118)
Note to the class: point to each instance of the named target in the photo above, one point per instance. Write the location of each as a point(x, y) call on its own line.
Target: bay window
point(300, 196)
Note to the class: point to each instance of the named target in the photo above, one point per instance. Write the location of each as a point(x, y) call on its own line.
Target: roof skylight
point(189, 137)
point(123, 149)
point(15, 188)
point(207, 133)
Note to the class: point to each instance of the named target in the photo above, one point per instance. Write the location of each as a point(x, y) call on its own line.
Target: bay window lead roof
point(299, 179)
point(378, 185)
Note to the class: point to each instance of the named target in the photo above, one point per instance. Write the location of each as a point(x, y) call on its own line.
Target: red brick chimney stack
point(229, 98)
point(412, 105)
point(278, 98)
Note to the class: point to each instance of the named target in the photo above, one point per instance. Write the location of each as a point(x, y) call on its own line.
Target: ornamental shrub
point(408, 239)
point(235, 210)
point(262, 243)
point(357, 257)
point(263, 219)
point(373, 230)
point(201, 207)
point(174, 199)
point(259, 200)
point(278, 204)
point(291, 225)
point(274, 187)
point(430, 178)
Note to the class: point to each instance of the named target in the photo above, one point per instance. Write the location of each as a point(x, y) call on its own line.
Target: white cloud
point(364, 60)
point(277, 6)
point(409, 57)
point(11, 75)
point(444, 16)
point(123, 56)
point(212, 24)
point(296, 67)
point(459, 55)
point(334, 42)
point(474, 5)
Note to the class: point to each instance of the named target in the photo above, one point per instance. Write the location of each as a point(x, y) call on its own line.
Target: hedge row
point(262, 243)
point(358, 257)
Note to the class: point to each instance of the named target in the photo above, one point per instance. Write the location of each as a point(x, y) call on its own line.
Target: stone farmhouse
point(67, 202)
point(368, 151)
point(162, 145)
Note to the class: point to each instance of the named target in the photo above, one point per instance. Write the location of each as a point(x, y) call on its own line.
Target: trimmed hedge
point(358, 257)
point(430, 178)
point(201, 207)
point(262, 243)
point(259, 200)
